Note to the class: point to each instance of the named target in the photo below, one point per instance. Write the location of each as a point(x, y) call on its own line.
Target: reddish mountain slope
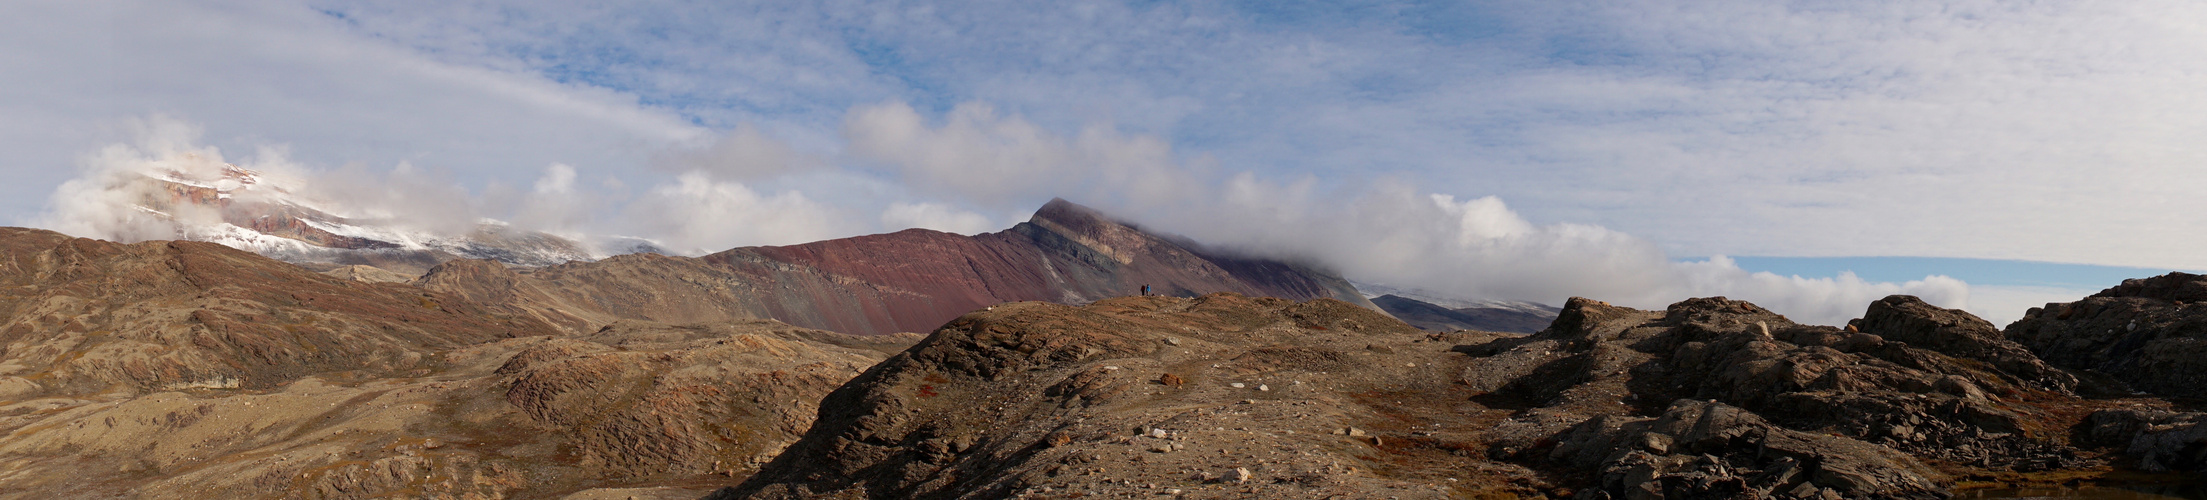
point(907, 281)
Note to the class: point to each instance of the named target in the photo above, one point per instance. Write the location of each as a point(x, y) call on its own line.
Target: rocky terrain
point(89, 317)
point(1226, 396)
point(176, 369)
point(908, 281)
point(193, 370)
point(1217, 396)
point(644, 409)
point(1430, 316)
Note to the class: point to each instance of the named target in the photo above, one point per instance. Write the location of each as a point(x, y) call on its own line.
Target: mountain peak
point(1092, 228)
point(1072, 215)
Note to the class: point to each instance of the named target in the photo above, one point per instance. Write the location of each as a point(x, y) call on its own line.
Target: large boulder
point(2150, 334)
point(2160, 440)
point(1958, 333)
point(1701, 449)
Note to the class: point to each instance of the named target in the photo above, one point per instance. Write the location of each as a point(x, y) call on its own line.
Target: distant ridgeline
point(907, 281)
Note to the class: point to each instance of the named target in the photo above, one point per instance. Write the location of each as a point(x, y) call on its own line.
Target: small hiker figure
point(1145, 290)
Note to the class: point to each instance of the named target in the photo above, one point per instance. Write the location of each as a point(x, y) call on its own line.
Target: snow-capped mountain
point(241, 208)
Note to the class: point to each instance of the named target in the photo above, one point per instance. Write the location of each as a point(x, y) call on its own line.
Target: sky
point(1810, 156)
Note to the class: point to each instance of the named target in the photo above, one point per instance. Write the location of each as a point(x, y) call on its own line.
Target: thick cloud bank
point(114, 198)
point(948, 174)
point(1383, 232)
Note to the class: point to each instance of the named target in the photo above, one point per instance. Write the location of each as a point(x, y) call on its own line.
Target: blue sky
point(1503, 149)
point(1975, 271)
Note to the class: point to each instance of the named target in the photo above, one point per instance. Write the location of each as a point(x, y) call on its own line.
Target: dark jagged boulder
point(1959, 334)
point(1953, 391)
point(1700, 449)
point(2160, 440)
point(2150, 334)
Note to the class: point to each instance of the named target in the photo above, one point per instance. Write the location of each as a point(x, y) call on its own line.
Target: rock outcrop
point(1700, 449)
point(1962, 335)
point(2160, 440)
point(2150, 334)
point(1906, 386)
point(1218, 396)
point(908, 281)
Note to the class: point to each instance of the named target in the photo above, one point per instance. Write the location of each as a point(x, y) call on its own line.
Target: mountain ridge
point(905, 281)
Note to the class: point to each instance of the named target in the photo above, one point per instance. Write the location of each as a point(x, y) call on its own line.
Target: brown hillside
point(635, 410)
point(86, 316)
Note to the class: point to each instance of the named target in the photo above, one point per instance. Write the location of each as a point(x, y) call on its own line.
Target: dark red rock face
point(914, 280)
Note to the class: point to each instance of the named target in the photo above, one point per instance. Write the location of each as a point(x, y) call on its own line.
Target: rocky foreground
point(1226, 396)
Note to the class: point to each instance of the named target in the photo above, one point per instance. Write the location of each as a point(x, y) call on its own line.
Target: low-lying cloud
point(1383, 231)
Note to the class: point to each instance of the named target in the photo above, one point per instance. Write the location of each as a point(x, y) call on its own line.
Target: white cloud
point(1947, 128)
point(978, 155)
point(2005, 304)
point(558, 179)
point(743, 154)
point(1388, 232)
point(105, 201)
point(697, 214)
point(557, 205)
point(262, 73)
point(2043, 131)
point(1929, 128)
